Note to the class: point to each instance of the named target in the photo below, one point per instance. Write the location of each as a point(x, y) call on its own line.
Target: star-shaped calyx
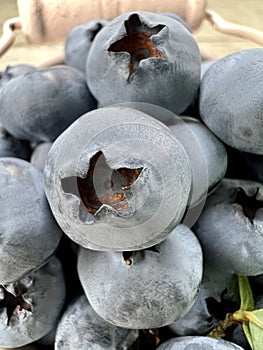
point(137, 42)
point(249, 204)
point(102, 185)
point(14, 303)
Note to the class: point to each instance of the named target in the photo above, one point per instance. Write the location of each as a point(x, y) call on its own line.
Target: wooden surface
point(246, 12)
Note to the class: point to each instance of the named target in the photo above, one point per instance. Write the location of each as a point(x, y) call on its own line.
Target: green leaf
point(246, 306)
point(248, 334)
point(256, 329)
point(246, 296)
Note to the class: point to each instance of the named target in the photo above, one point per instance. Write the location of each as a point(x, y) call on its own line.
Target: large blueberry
point(144, 57)
point(40, 104)
point(230, 227)
point(144, 289)
point(82, 328)
point(231, 100)
point(29, 234)
point(117, 179)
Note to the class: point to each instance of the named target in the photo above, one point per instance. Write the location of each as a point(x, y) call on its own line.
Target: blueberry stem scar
point(14, 304)
point(111, 193)
point(137, 42)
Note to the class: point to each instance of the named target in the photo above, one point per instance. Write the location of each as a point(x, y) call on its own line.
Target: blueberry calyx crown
point(14, 303)
point(137, 42)
point(102, 185)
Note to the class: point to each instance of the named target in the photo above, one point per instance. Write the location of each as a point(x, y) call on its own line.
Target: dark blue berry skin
point(198, 343)
point(12, 147)
point(160, 64)
point(231, 100)
point(14, 71)
point(82, 328)
point(79, 41)
point(29, 233)
point(30, 307)
point(39, 105)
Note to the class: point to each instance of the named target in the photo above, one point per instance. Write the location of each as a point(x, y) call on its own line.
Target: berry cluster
point(131, 197)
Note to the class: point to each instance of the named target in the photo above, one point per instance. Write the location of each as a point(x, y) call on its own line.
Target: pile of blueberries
point(131, 191)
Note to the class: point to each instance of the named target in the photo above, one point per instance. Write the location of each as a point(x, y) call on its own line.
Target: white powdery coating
point(128, 138)
point(229, 240)
point(170, 82)
point(29, 233)
point(157, 288)
point(231, 100)
point(82, 328)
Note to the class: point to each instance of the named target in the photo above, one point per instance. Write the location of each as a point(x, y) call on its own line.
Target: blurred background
point(246, 12)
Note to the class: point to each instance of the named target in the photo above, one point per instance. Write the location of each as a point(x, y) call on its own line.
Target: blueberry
point(230, 227)
point(29, 233)
point(123, 185)
point(198, 343)
point(12, 147)
point(30, 307)
point(79, 41)
point(144, 57)
point(231, 98)
point(82, 328)
point(207, 155)
point(144, 289)
point(39, 105)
